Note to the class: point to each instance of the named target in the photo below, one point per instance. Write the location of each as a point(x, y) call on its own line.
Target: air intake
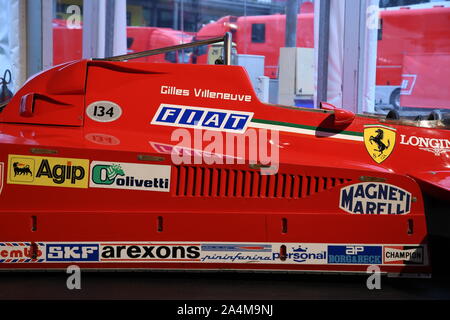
point(194, 181)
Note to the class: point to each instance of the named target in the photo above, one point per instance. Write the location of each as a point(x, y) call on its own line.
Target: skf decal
point(355, 254)
point(435, 146)
point(374, 198)
point(131, 176)
point(48, 171)
point(404, 255)
point(20, 252)
point(2, 170)
point(379, 141)
point(202, 118)
point(154, 252)
point(72, 252)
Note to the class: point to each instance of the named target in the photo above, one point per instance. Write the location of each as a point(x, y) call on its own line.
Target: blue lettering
point(168, 114)
point(393, 193)
point(191, 117)
point(371, 206)
point(214, 119)
point(374, 194)
point(236, 122)
point(347, 198)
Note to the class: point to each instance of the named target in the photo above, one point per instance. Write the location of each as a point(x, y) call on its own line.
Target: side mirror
point(341, 116)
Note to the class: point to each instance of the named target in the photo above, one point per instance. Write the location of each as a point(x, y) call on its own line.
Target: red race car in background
point(121, 165)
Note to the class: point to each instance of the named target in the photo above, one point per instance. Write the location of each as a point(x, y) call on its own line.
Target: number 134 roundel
point(104, 111)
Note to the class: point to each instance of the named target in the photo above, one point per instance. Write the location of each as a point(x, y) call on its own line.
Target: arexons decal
point(2, 170)
point(131, 176)
point(354, 254)
point(379, 141)
point(374, 198)
point(433, 145)
point(202, 118)
point(48, 171)
point(404, 255)
point(152, 252)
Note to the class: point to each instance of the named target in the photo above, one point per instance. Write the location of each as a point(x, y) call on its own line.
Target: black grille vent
point(194, 181)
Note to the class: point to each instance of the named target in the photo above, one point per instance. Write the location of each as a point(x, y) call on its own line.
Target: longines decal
point(379, 141)
point(48, 171)
point(433, 145)
point(213, 252)
point(374, 198)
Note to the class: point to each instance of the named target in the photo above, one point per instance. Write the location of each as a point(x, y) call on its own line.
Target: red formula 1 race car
point(121, 165)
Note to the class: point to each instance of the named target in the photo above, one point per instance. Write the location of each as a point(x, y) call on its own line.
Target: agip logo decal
point(374, 198)
point(131, 176)
point(48, 171)
point(379, 141)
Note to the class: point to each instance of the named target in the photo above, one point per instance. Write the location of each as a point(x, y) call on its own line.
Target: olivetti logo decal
point(202, 118)
point(48, 171)
point(131, 176)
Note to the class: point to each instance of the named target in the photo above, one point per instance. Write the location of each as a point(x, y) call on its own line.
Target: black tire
point(394, 99)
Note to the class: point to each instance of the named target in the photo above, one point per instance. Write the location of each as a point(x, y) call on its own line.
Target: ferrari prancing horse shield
point(379, 141)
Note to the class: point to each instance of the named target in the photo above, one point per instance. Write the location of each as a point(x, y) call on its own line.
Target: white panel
point(305, 72)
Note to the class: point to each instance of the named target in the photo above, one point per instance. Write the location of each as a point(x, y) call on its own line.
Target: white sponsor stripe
point(310, 132)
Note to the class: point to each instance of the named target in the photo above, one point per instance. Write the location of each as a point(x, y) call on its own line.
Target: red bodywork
point(210, 211)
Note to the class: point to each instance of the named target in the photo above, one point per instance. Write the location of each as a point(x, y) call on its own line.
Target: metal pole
point(322, 61)
point(227, 48)
point(109, 27)
point(291, 23)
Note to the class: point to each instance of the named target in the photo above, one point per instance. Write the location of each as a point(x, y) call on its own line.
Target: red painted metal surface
point(213, 209)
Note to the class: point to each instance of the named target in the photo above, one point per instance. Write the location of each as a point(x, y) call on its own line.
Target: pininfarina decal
point(374, 198)
point(202, 118)
point(130, 176)
point(48, 171)
point(433, 145)
point(379, 141)
point(206, 252)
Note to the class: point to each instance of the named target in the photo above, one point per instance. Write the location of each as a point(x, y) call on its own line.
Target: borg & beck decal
point(204, 252)
point(48, 171)
point(202, 118)
point(374, 198)
point(355, 254)
point(130, 176)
